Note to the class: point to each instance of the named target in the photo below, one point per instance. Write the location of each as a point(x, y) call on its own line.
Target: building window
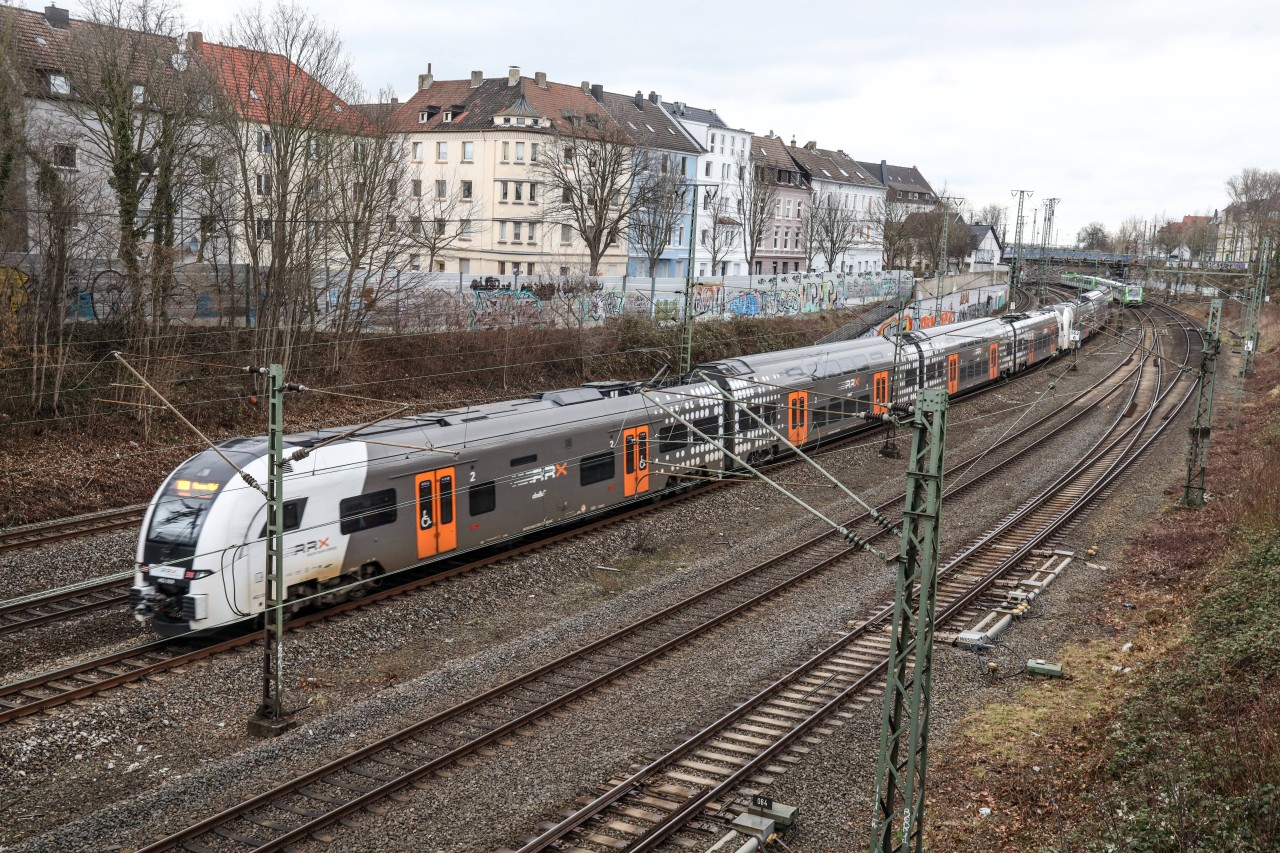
point(515, 232)
point(442, 190)
point(788, 208)
point(786, 238)
point(530, 270)
point(415, 224)
point(468, 151)
point(423, 115)
point(391, 223)
point(502, 267)
point(464, 229)
point(565, 232)
point(392, 187)
point(566, 196)
point(442, 152)
point(58, 84)
point(502, 232)
point(708, 169)
point(357, 193)
point(568, 153)
point(519, 191)
point(417, 187)
point(448, 117)
point(264, 185)
point(415, 263)
point(503, 191)
point(64, 156)
point(439, 266)
point(531, 239)
point(139, 94)
point(533, 153)
point(264, 229)
point(775, 238)
point(441, 225)
point(417, 151)
point(466, 191)
point(264, 142)
point(506, 151)
point(799, 204)
point(519, 152)
point(533, 193)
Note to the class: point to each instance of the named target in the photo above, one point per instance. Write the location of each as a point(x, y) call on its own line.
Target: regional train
point(429, 487)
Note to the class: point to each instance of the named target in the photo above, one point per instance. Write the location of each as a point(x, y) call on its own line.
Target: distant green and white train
point(1124, 293)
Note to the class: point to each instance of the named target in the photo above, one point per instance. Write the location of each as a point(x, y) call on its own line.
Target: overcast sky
point(1115, 106)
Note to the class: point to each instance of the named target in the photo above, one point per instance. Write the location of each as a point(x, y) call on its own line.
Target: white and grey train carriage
point(433, 486)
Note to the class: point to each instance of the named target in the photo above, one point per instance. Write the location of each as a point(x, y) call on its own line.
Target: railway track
point(690, 794)
point(41, 609)
point(32, 535)
point(306, 805)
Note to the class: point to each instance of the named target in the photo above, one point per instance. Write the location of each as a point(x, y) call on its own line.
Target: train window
point(292, 516)
point(524, 460)
point(368, 510)
point(822, 413)
point(484, 498)
point(596, 468)
point(424, 501)
point(746, 422)
point(710, 427)
point(673, 437)
point(446, 500)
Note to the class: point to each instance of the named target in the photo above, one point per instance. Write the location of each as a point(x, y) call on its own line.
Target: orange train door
point(1031, 347)
point(798, 417)
point(993, 361)
point(880, 393)
point(635, 461)
point(437, 503)
point(953, 373)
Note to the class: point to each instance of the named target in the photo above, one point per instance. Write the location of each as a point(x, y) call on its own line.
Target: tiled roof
point(835, 166)
point(268, 87)
point(41, 47)
point(474, 107)
point(649, 125)
point(681, 110)
point(906, 178)
point(771, 151)
point(978, 233)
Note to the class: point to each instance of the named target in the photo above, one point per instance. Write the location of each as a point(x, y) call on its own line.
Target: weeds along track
point(309, 803)
point(691, 793)
point(93, 675)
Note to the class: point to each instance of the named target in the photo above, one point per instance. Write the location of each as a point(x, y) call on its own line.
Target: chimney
point(811, 145)
point(540, 77)
point(513, 75)
point(655, 98)
point(586, 87)
point(477, 77)
point(597, 92)
point(425, 80)
point(195, 41)
point(59, 19)
point(793, 142)
point(395, 100)
point(639, 100)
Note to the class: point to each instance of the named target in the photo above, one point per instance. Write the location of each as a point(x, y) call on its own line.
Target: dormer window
point(520, 121)
point(423, 115)
point(506, 119)
point(448, 117)
point(58, 84)
point(253, 93)
point(139, 94)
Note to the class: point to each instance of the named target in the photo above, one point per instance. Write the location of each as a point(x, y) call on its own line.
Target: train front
point(184, 580)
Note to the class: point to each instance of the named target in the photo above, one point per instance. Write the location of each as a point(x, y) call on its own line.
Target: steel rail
point(395, 743)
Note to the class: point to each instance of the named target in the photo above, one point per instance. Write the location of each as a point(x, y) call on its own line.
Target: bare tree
point(439, 217)
point(283, 118)
point(896, 233)
point(654, 222)
point(592, 178)
point(1199, 238)
point(1131, 236)
point(757, 206)
point(1170, 237)
point(926, 228)
point(808, 235)
point(1094, 237)
point(135, 98)
point(718, 230)
point(835, 227)
point(1255, 193)
point(995, 216)
point(362, 217)
point(13, 114)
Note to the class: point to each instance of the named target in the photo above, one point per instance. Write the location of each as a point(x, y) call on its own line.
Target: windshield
point(184, 504)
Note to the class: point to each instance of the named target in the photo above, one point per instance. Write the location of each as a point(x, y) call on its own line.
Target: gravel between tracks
point(174, 748)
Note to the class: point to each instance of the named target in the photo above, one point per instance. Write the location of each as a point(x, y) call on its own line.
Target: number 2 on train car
point(635, 461)
point(798, 417)
point(436, 502)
